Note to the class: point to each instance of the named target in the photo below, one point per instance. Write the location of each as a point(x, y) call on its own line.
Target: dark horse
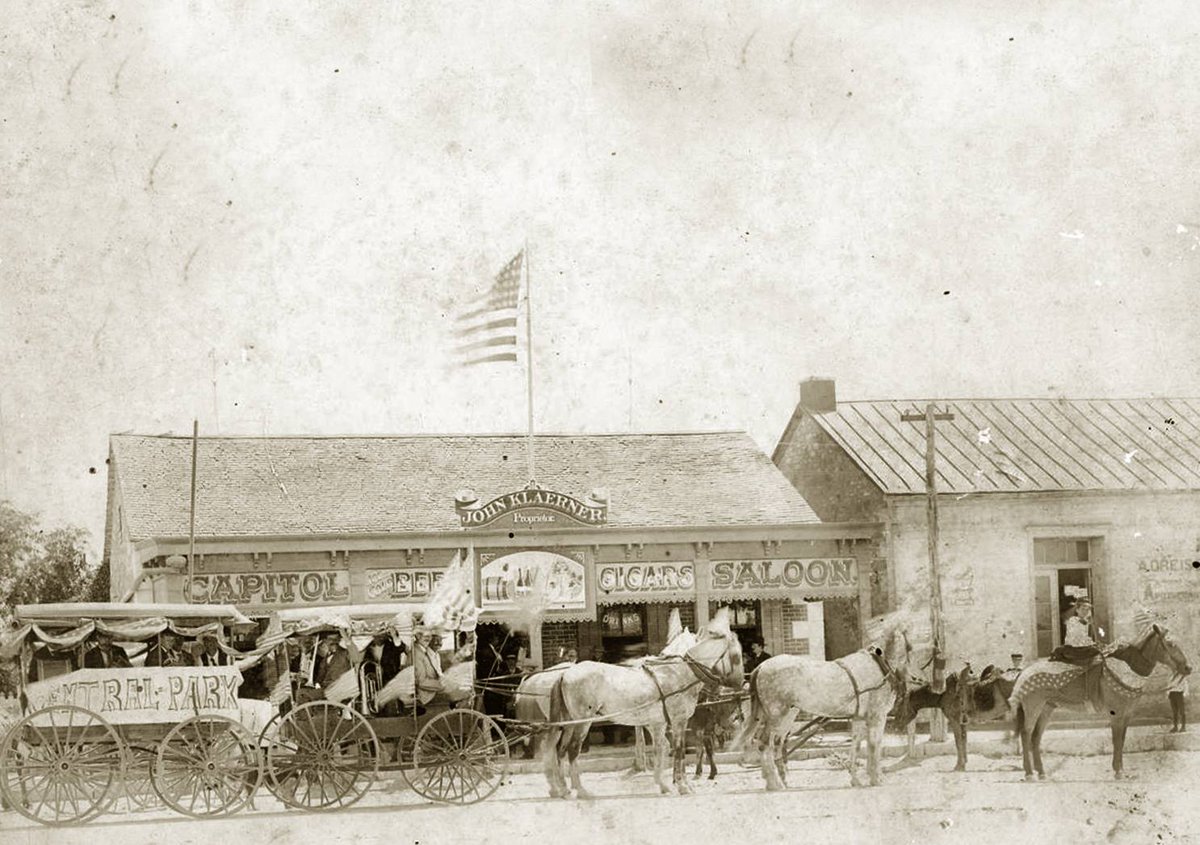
point(966, 701)
point(710, 725)
point(1044, 686)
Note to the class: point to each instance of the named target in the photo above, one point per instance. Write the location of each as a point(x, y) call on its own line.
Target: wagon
point(324, 754)
point(90, 736)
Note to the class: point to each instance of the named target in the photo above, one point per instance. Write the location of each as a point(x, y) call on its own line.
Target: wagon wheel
point(137, 778)
point(459, 757)
point(207, 766)
point(59, 764)
point(322, 756)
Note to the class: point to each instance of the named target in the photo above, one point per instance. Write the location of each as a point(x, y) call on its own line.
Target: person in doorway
point(106, 654)
point(758, 654)
point(1177, 691)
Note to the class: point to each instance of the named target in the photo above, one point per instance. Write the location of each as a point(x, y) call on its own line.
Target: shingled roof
point(1009, 445)
point(267, 486)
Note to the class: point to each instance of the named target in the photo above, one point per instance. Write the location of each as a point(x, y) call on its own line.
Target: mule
point(660, 693)
point(1044, 686)
point(710, 725)
point(966, 701)
point(862, 687)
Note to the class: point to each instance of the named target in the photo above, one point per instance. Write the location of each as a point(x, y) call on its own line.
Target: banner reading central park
point(143, 696)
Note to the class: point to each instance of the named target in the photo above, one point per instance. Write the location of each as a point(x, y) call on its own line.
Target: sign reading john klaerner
point(531, 508)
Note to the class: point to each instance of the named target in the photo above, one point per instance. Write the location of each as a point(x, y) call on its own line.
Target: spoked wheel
point(322, 756)
point(459, 757)
point(58, 765)
point(207, 766)
point(137, 778)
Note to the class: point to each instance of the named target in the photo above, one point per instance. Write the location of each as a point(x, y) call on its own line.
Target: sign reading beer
point(639, 580)
point(816, 576)
point(400, 584)
point(150, 695)
point(277, 588)
point(531, 508)
point(546, 579)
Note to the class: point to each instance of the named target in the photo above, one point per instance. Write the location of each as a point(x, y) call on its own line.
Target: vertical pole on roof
point(191, 567)
point(528, 361)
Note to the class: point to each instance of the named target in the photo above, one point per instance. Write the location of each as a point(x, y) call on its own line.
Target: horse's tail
point(751, 725)
point(1019, 720)
point(558, 713)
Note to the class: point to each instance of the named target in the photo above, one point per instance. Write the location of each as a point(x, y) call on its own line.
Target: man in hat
point(335, 661)
point(211, 654)
point(167, 651)
point(105, 654)
point(427, 664)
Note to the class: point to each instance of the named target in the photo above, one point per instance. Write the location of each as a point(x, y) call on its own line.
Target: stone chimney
point(818, 395)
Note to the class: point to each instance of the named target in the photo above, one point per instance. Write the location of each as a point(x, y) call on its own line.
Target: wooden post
point(191, 570)
point(938, 679)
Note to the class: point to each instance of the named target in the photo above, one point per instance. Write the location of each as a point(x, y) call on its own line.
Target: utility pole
point(938, 679)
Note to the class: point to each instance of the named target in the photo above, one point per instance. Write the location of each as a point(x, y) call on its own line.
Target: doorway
point(1062, 575)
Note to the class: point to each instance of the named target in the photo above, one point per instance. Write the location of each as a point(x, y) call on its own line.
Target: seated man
point(168, 651)
point(335, 661)
point(427, 666)
point(105, 654)
point(211, 654)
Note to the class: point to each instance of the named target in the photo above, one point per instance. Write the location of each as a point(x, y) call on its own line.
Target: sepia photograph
point(600, 422)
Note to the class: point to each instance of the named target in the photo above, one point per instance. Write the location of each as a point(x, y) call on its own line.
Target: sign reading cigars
point(531, 508)
point(270, 588)
point(639, 580)
point(139, 696)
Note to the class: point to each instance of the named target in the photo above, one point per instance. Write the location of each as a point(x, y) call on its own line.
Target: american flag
point(487, 331)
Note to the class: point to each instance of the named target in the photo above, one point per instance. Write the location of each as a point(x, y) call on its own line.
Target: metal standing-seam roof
point(1010, 445)
point(271, 486)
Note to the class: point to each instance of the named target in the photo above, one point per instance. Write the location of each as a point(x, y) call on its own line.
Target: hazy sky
point(946, 199)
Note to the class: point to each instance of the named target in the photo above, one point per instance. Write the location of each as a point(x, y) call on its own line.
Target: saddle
point(1091, 660)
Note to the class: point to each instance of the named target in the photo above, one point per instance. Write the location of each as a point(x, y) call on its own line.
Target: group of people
point(100, 651)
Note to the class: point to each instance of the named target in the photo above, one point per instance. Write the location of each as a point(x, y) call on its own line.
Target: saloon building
point(617, 530)
point(1040, 502)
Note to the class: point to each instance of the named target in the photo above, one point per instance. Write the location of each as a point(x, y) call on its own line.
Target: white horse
point(660, 693)
point(862, 686)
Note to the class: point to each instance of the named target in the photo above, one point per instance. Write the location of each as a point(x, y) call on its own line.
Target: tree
point(38, 566)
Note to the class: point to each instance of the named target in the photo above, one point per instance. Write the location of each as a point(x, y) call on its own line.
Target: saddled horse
point(661, 693)
point(1044, 686)
point(966, 701)
point(862, 686)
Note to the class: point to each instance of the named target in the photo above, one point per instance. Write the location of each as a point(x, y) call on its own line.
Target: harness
point(705, 675)
point(889, 677)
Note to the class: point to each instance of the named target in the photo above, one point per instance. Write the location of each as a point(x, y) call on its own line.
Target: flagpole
point(529, 361)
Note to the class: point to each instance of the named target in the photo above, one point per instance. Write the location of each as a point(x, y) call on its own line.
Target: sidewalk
point(1066, 738)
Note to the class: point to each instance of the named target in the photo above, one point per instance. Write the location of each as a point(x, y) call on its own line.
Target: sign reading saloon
point(531, 508)
point(644, 580)
point(157, 695)
point(821, 576)
point(269, 588)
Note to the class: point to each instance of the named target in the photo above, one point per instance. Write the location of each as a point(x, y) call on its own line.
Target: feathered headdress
point(718, 626)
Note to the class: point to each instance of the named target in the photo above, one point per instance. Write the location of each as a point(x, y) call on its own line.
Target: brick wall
point(558, 636)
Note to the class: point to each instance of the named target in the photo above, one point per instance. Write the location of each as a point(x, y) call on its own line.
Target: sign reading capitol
point(531, 508)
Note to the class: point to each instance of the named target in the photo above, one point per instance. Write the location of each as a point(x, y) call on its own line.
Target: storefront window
point(1064, 576)
point(622, 621)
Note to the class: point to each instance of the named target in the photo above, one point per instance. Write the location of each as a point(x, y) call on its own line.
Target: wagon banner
point(140, 696)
